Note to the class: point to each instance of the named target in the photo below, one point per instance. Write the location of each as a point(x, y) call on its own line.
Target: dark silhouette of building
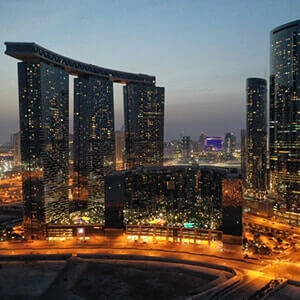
point(232, 206)
point(186, 147)
point(256, 134)
point(115, 195)
point(285, 121)
point(201, 142)
point(229, 145)
point(144, 125)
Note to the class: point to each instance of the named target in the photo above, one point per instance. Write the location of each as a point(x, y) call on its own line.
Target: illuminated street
point(252, 275)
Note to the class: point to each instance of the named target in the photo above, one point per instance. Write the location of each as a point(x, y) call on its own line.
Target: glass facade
point(148, 195)
point(44, 125)
point(44, 129)
point(285, 121)
point(94, 138)
point(144, 125)
point(256, 135)
point(166, 195)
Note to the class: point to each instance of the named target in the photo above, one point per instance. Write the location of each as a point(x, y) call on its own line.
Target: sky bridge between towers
point(32, 51)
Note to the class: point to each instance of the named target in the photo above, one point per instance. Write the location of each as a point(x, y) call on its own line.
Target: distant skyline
point(200, 51)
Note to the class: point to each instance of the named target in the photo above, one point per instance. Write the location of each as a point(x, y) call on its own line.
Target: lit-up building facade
point(256, 135)
point(144, 125)
point(166, 195)
point(149, 195)
point(94, 138)
point(44, 126)
point(44, 112)
point(285, 121)
point(213, 143)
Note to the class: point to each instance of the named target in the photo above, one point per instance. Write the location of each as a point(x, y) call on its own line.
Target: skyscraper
point(202, 142)
point(94, 137)
point(285, 121)
point(229, 145)
point(144, 125)
point(44, 125)
point(256, 134)
point(44, 108)
point(186, 147)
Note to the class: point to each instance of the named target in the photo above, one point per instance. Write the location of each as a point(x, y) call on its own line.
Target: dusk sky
point(200, 51)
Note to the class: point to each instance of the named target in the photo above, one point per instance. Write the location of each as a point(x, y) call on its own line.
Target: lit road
point(106, 247)
point(270, 223)
point(253, 274)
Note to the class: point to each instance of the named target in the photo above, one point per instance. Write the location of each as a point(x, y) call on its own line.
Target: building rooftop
point(286, 26)
point(33, 51)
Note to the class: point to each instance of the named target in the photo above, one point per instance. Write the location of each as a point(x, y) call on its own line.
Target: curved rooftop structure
point(31, 51)
point(286, 26)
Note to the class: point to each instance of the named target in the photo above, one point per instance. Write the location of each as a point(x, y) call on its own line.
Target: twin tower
point(44, 124)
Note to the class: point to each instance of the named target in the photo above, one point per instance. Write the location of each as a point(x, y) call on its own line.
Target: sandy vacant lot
point(96, 279)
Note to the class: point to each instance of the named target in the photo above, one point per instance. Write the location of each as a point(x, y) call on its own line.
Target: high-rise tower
point(44, 126)
point(285, 121)
point(144, 125)
point(201, 142)
point(94, 137)
point(186, 147)
point(256, 134)
point(44, 111)
point(229, 145)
